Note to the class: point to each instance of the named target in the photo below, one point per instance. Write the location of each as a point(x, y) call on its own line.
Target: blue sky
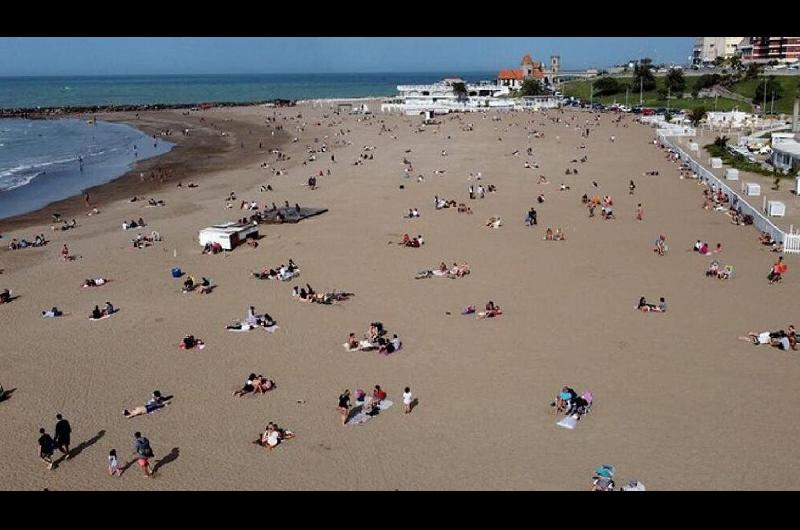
point(150, 55)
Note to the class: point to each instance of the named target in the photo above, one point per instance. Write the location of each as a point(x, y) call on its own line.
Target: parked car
point(636, 110)
point(648, 112)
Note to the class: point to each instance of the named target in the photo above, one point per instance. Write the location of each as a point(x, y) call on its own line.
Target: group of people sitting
point(765, 238)
point(559, 235)
point(440, 203)
point(127, 225)
point(252, 321)
point(703, 249)
point(571, 404)
point(94, 282)
point(414, 242)
point(142, 241)
point(413, 213)
point(494, 221)
point(190, 284)
point(571, 171)
point(714, 271)
point(273, 435)
point(156, 401)
point(38, 241)
point(491, 310)
point(283, 273)
point(212, 248)
point(189, 342)
point(374, 339)
point(311, 296)
point(781, 339)
point(661, 307)
point(64, 225)
point(256, 384)
point(97, 313)
point(456, 271)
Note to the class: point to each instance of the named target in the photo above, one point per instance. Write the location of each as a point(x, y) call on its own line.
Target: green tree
point(719, 61)
point(531, 87)
point(753, 71)
point(676, 81)
point(697, 115)
point(606, 86)
point(721, 141)
point(460, 90)
point(735, 62)
point(772, 87)
point(643, 75)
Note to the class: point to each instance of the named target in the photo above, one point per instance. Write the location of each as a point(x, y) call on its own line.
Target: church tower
point(555, 64)
point(527, 67)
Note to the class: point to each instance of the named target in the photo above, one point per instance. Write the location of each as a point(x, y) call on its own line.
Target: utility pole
point(591, 95)
point(641, 85)
point(765, 97)
point(715, 101)
point(772, 104)
point(669, 92)
point(627, 88)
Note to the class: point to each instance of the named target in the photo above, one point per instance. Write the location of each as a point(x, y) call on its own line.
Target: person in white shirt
point(408, 397)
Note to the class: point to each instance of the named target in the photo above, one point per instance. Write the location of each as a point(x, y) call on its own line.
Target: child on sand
point(113, 464)
point(408, 397)
point(46, 448)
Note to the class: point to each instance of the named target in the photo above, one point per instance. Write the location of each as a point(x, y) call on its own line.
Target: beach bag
point(176, 272)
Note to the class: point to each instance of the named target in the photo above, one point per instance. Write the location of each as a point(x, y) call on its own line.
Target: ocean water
point(47, 160)
point(32, 92)
point(39, 159)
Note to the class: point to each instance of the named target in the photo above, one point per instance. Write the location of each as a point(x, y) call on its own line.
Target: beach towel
point(359, 419)
point(385, 404)
point(568, 422)
point(197, 346)
point(104, 316)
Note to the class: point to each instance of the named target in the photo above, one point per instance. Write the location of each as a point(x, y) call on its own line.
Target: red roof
point(510, 74)
point(527, 59)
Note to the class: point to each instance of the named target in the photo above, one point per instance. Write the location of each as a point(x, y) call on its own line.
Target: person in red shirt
point(778, 270)
point(378, 394)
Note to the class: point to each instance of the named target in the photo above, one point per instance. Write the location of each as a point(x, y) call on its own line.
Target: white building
point(785, 151)
point(734, 119)
point(228, 235)
point(441, 98)
point(706, 49)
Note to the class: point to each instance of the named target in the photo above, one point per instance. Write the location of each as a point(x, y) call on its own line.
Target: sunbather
point(156, 402)
point(5, 296)
point(52, 312)
point(492, 310)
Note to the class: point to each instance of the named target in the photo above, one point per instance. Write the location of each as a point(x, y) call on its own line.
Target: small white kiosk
point(716, 163)
point(752, 189)
point(731, 174)
point(228, 235)
point(776, 209)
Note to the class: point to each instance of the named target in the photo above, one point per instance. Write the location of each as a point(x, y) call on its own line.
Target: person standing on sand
point(344, 405)
point(631, 187)
point(62, 435)
point(408, 397)
point(143, 453)
point(639, 212)
point(46, 447)
point(65, 253)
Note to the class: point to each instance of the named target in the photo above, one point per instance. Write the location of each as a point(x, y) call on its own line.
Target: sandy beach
point(680, 403)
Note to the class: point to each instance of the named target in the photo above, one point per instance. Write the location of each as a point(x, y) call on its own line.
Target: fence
point(791, 242)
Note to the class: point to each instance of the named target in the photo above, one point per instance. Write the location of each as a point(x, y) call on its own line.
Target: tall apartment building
point(706, 49)
point(764, 49)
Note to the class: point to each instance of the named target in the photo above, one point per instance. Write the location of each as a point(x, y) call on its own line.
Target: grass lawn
point(789, 89)
point(784, 104)
point(581, 89)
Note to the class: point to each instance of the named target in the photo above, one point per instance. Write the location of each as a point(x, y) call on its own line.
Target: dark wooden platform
point(290, 215)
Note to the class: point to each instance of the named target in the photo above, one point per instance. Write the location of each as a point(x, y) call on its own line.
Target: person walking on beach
point(631, 187)
point(46, 447)
point(62, 435)
point(143, 453)
point(113, 464)
point(639, 212)
point(65, 253)
point(408, 397)
point(344, 405)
